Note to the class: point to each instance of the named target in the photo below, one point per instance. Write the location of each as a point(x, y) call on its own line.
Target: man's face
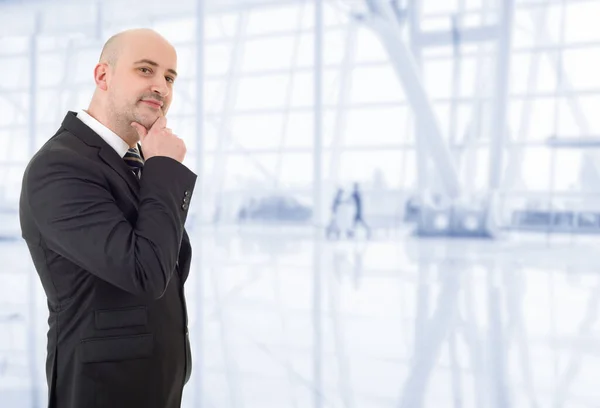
point(140, 87)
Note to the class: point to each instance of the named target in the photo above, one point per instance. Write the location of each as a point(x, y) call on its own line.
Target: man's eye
point(145, 70)
point(170, 79)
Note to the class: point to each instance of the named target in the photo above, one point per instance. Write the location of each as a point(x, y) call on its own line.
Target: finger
point(160, 122)
point(141, 131)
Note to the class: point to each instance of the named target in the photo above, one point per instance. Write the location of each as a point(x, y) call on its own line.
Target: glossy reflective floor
point(281, 320)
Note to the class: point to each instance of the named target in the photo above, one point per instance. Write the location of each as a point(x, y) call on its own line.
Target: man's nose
point(160, 87)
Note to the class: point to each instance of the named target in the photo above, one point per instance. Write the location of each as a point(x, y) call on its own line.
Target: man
point(104, 223)
point(358, 213)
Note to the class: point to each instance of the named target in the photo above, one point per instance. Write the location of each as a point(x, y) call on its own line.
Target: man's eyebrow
point(154, 64)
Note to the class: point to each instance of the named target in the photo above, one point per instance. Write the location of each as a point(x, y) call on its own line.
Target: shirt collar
point(105, 133)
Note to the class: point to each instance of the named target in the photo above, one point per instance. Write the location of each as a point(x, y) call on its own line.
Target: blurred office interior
point(398, 201)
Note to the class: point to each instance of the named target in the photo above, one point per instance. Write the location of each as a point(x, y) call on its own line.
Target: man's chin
point(146, 120)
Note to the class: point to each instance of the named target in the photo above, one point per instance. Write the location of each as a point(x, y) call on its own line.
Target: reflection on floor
point(279, 319)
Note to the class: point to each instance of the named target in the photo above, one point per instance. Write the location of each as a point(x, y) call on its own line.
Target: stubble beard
point(138, 115)
point(121, 118)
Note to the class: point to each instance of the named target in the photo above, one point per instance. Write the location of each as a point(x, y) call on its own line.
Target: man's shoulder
point(61, 143)
point(72, 135)
point(62, 148)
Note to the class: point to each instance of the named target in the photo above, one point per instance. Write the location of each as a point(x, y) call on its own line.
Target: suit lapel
point(110, 157)
point(105, 152)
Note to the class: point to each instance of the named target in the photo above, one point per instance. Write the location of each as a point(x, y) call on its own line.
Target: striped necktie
point(134, 161)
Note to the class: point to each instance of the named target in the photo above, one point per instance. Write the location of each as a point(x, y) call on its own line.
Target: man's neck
point(127, 133)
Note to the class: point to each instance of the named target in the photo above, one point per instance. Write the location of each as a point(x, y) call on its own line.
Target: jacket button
point(186, 193)
point(184, 207)
point(185, 199)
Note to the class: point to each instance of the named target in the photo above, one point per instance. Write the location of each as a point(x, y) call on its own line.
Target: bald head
point(134, 81)
point(119, 42)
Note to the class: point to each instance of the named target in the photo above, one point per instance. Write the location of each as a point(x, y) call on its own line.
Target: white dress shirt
point(105, 133)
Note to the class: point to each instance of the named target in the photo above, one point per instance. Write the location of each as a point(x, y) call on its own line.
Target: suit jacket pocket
point(117, 318)
point(121, 348)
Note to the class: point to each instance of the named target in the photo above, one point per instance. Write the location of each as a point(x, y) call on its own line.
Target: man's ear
point(100, 75)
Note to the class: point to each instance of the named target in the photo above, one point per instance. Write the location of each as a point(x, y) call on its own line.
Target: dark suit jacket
point(112, 255)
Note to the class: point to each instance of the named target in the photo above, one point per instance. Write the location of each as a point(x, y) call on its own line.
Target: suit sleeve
point(78, 218)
